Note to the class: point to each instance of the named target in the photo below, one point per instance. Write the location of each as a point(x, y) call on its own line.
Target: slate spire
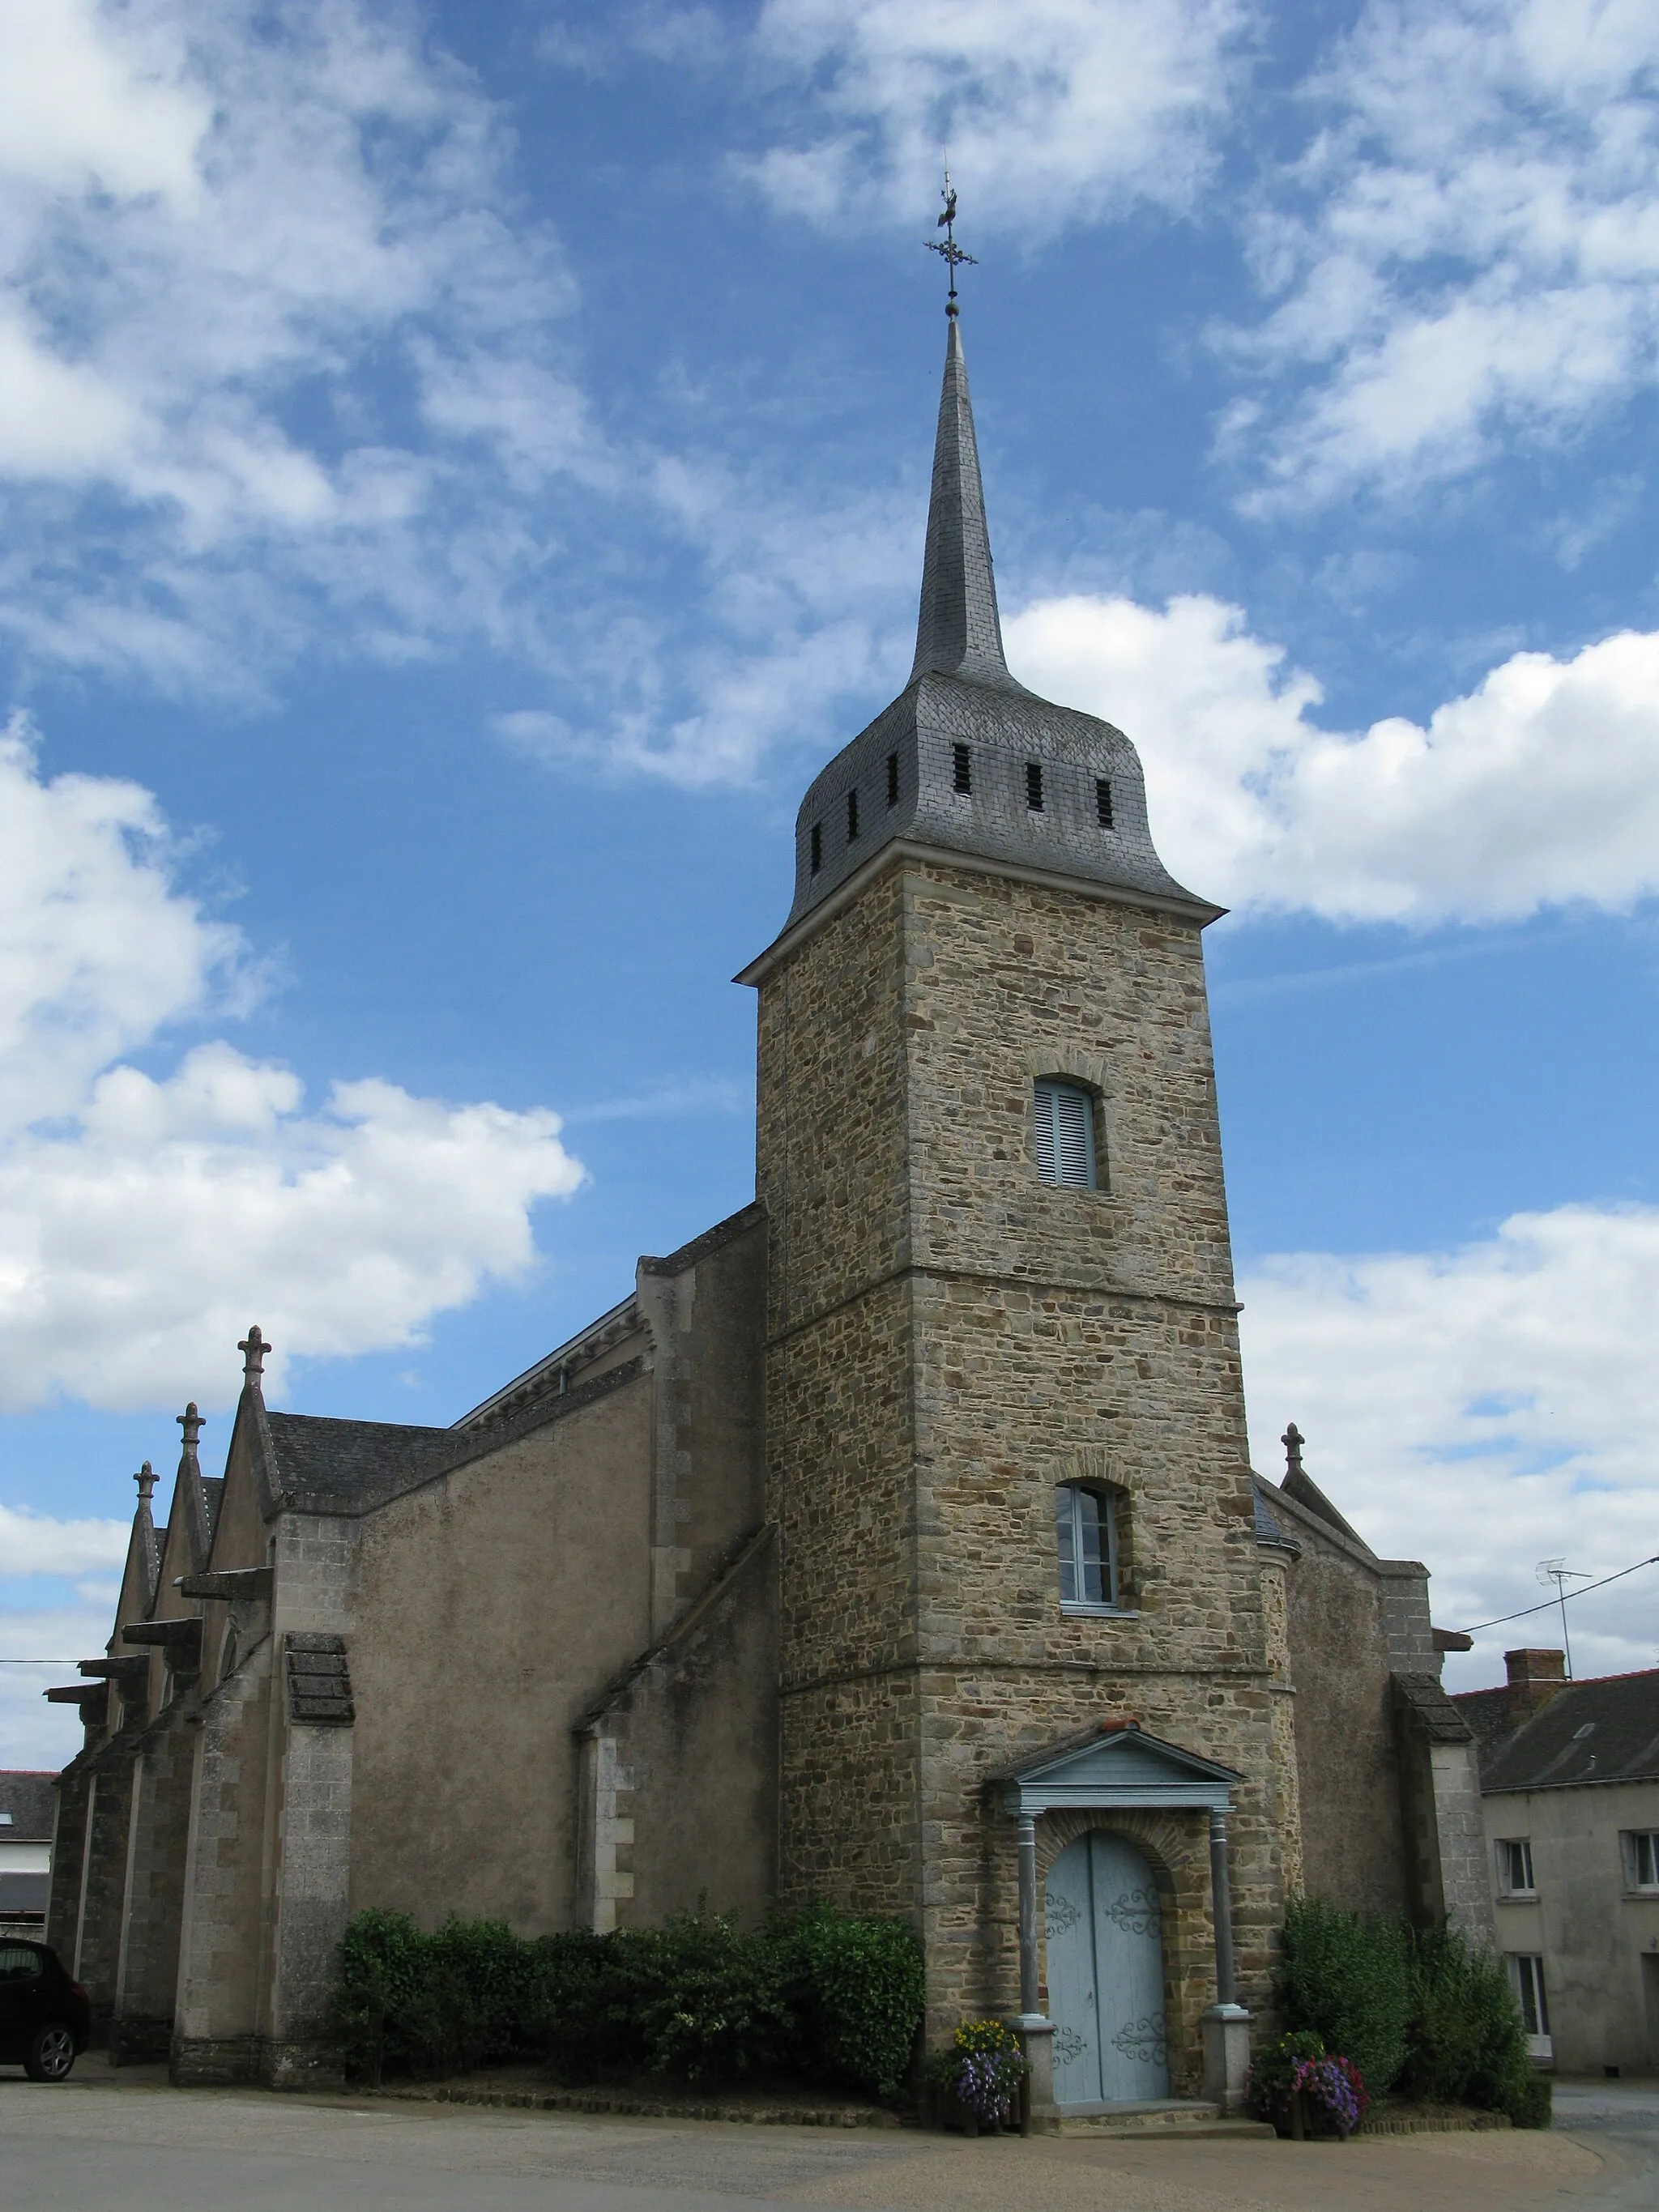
point(958, 632)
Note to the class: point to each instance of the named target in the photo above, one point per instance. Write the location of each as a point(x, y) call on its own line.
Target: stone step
point(1163, 2119)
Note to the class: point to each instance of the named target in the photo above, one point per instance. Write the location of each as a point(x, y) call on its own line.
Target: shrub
point(1419, 2009)
point(1347, 1977)
point(697, 1999)
point(1467, 2044)
point(857, 1991)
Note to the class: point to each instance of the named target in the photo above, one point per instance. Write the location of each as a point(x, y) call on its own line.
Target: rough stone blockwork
point(951, 1339)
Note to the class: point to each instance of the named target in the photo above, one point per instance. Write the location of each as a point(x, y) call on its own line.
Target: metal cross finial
point(1292, 1441)
point(254, 1346)
point(145, 1479)
point(950, 252)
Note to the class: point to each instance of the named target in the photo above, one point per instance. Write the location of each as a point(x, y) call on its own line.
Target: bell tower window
point(1066, 1150)
point(1085, 1536)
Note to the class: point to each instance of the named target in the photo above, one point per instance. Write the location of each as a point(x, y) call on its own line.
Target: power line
point(1549, 1603)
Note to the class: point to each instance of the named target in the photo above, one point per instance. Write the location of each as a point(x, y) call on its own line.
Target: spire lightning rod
point(951, 254)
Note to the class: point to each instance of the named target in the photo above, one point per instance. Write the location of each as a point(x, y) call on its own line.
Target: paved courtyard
point(150, 2148)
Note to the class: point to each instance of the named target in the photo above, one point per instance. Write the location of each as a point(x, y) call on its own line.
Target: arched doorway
point(1104, 1929)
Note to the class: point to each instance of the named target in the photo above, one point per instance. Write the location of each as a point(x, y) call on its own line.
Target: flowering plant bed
point(977, 2077)
point(1304, 2089)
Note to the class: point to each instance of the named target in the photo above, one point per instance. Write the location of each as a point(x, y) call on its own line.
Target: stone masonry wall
point(951, 1339)
point(163, 1776)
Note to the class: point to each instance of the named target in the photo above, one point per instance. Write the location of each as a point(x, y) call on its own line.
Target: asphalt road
point(97, 2142)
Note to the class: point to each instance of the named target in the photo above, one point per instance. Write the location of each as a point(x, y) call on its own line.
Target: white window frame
point(1046, 1094)
point(1639, 1848)
point(1527, 1980)
point(1070, 1531)
point(1515, 1855)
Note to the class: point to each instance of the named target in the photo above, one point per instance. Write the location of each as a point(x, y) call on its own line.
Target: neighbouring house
point(894, 1543)
point(1570, 1790)
point(28, 1810)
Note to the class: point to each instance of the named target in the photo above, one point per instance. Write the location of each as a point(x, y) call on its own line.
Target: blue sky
point(464, 469)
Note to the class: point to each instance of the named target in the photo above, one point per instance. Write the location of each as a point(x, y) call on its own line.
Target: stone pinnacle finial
point(145, 1479)
point(1292, 1441)
point(254, 1348)
point(191, 1422)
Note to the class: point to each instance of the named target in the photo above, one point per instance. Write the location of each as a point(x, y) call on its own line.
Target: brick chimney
point(1534, 1678)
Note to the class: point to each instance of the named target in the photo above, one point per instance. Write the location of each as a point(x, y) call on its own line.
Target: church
point(895, 1543)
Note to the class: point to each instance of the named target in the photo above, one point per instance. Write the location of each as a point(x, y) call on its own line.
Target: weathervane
point(950, 252)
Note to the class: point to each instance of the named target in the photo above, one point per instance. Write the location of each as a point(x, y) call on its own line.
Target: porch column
point(1226, 1983)
point(1226, 2024)
point(1036, 2032)
point(1027, 1940)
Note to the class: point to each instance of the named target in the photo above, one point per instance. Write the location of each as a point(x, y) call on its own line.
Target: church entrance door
point(1105, 1946)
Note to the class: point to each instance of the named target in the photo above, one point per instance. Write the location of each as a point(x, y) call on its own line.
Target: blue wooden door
point(1105, 1956)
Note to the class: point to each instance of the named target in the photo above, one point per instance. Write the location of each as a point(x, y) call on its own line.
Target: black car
point(46, 2019)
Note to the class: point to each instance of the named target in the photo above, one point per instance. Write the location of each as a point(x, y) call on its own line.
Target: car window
point(18, 1965)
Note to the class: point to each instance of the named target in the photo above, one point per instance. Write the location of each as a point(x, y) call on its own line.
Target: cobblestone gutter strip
point(1431, 2123)
point(627, 2103)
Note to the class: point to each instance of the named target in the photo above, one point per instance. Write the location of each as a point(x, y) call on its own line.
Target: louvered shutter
point(1065, 1135)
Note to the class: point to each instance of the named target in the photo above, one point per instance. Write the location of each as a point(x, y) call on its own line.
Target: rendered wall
point(493, 1606)
point(1598, 1942)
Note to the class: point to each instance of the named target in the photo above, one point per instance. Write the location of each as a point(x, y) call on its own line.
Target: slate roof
point(30, 1798)
point(1267, 1529)
point(352, 1463)
point(1602, 1731)
point(1487, 1712)
point(900, 772)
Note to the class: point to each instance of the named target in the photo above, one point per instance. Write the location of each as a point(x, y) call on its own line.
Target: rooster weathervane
point(949, 252)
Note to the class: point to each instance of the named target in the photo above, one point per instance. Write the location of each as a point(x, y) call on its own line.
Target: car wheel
point(52, 2054)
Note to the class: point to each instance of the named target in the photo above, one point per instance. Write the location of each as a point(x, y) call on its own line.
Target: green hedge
point(818, 1993)
point(1416, 2009)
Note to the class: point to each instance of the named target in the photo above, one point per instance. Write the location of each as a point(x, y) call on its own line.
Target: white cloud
point(145, 1219)
point(35, 1544)
point(1054, 110)
point(1468, 250)
point(1539, 788)
point(33, 1733)
point(100, 946)
point(263, 283)
point(1481, 1409)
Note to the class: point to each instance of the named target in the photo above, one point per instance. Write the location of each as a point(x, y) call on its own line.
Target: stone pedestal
point(1039, 2115)
point(1226, 2056)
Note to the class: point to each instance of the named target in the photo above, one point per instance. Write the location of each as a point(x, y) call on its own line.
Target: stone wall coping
point(901, 850)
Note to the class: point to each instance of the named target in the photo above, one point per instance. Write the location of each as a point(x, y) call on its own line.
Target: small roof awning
point(1118, 1765)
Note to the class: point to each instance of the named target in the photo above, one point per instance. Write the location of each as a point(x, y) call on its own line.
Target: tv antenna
point(1559, 1572)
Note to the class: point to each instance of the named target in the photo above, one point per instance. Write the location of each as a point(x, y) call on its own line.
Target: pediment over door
point(1121, 1766)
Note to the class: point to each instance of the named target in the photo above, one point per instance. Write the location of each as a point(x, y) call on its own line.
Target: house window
point(961, 769)
point(1033, 786)
point(892, 778)
point(1103, 801)
point(851, 816)
point(1641, 1849)
point(1514, 1867)
point(1085, 1535)
point(1066, 1134)
point(1527, 1980)
point(817, 847)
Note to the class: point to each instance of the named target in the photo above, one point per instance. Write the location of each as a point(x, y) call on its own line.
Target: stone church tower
point(1001, 1331)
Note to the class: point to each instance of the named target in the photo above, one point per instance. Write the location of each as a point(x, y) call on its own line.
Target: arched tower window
point(1086, 1538)
point(1066, 1149)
